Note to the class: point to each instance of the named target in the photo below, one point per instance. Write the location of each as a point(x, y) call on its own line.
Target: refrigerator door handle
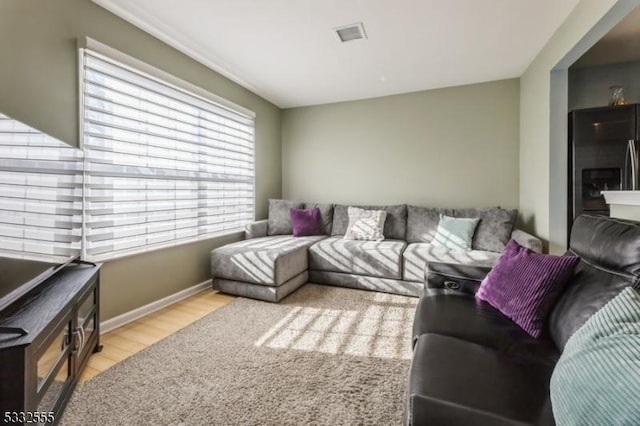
point(633, 154)
point(624, 182)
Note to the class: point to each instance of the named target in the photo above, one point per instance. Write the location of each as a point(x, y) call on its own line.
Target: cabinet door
point(53, 366)
point(86, 326)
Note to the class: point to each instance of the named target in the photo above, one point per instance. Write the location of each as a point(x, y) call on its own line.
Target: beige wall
point(38, 86)
point(543, 109)
point(451, 147)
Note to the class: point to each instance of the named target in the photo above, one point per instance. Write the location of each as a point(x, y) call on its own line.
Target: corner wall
point(39, 86)
point(543, 117)
point(452, 147)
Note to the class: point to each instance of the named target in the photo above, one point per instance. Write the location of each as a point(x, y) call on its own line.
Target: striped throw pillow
point(597, 379)
point(365, 224)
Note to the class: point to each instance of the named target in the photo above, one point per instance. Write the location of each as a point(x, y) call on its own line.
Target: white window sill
point(108, 257)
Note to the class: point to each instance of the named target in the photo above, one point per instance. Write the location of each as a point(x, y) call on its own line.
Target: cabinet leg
point(97, 349)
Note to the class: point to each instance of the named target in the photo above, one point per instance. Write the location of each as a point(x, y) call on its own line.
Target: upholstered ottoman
point(268, 268)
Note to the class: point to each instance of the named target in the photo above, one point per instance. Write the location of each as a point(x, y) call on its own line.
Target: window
point(40, 194)
point(163, 165)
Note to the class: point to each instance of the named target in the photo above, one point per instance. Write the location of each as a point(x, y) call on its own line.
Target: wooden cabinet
point(39, 370)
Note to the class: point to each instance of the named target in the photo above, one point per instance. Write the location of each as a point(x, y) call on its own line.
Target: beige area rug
point(323, 356)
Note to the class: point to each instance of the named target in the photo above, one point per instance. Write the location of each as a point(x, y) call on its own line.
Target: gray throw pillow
point(422, 223)
point(326, 216)
point(279, 222)
point(495, 227)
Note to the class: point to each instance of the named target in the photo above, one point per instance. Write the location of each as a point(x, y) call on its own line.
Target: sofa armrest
point(527, 240)
point(453, 278)
point(256, 229)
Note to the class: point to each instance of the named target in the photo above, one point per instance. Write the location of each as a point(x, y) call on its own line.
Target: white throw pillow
point(455, 232)
point(365, 224)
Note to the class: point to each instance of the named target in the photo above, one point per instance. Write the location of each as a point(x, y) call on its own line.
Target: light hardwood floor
point(125, 341)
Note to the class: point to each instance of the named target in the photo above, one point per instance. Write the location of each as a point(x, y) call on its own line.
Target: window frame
point(139, 67)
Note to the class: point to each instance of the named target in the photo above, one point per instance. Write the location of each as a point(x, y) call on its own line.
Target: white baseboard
point(123, 319)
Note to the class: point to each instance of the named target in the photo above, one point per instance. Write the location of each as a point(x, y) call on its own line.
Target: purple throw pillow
point(305, 222)
point(524, 285)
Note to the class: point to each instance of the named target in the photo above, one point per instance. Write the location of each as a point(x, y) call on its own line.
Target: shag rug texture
point(323, 356)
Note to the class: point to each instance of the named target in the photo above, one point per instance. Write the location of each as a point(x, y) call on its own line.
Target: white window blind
point(163, 166)
point(40, 194)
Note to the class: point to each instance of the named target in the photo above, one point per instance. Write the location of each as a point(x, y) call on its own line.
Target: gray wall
point(451, 147)
point(39, 86)
point(589, 87)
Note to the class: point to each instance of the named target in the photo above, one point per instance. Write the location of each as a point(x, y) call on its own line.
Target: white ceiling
point(286, 50)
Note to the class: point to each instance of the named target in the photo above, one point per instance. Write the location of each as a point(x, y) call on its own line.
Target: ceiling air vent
point(351, 32)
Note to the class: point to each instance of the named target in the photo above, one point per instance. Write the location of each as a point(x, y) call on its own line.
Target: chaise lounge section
point(268, 268)
point(271, 263)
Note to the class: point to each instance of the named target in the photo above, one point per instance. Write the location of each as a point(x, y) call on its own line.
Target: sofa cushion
point(597, 380)
point(261, 292)
point(364, 282)
point(372, 258)
point(464, 317)
point(476, 385)
point(395, 225)
point(423, 410)
point(589, 289)
point(609, 242)
point(279, 218)
point(610, 252)
point(326, 216)
point(416, 256)
point(491, 234)
point(495, 227)
point(268, 261)
point(524, 285)
point(422, 223)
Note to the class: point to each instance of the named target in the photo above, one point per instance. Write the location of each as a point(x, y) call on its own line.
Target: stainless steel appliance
point(603, 156)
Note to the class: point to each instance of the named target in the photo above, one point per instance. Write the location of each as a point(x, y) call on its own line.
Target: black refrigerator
point(603, 156)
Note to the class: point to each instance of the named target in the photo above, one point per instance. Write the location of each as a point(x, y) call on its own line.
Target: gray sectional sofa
point(271, 263)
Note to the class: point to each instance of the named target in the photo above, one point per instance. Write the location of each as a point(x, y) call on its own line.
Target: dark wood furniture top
point(39, 370)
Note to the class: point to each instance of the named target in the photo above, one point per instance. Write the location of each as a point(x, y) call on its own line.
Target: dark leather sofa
point(473, 366)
